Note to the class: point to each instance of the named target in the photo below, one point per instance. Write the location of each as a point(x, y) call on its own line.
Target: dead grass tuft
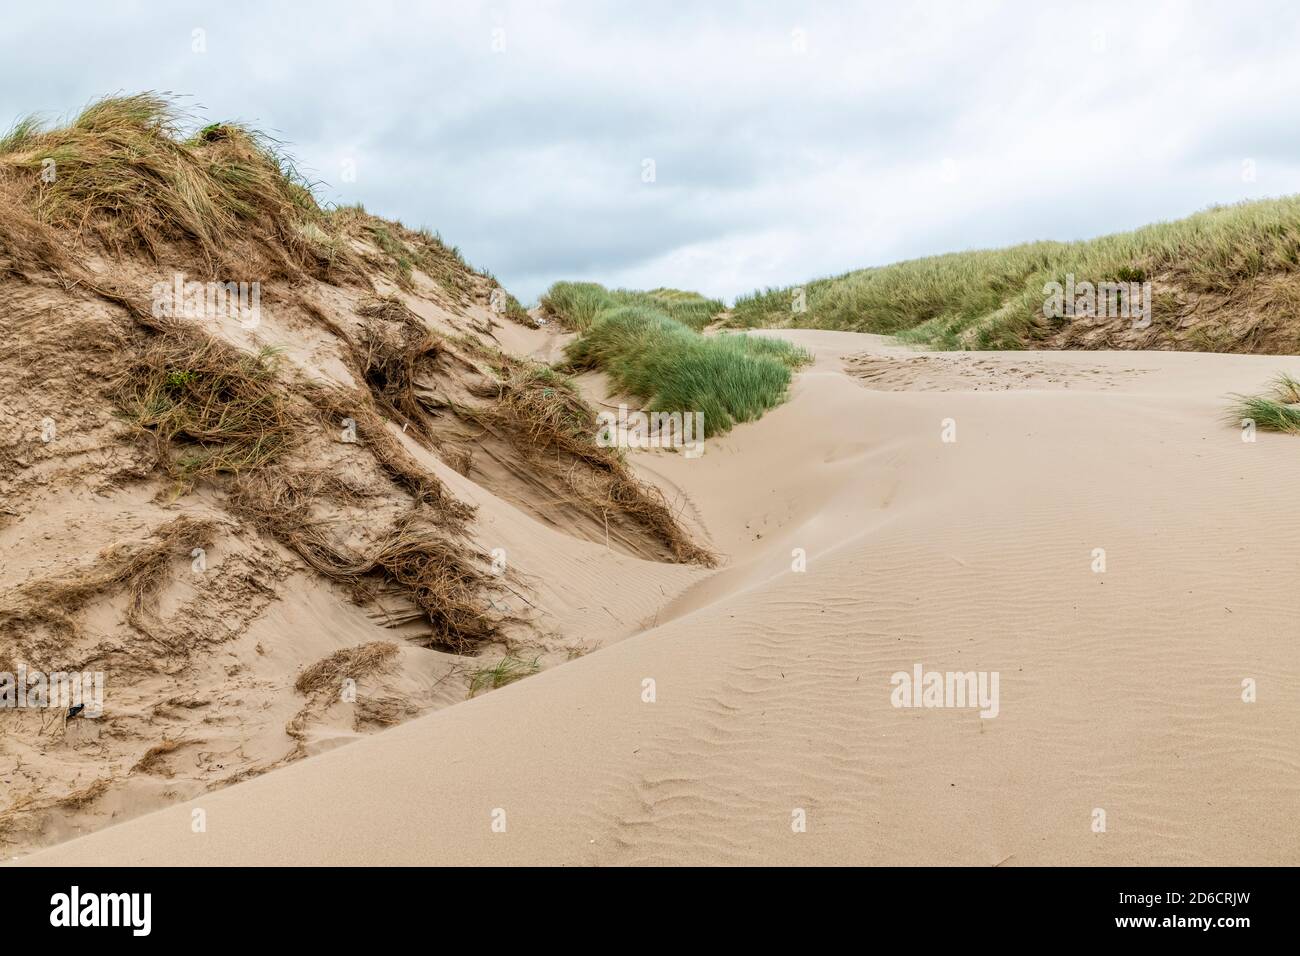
point(335, 406)
point(27, 247)
point(152, 762)
point(355, 663)
point(382, 711)
point(21, 816)
point(393, 346)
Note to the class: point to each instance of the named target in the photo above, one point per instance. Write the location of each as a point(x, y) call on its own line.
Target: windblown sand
point(1120, 691)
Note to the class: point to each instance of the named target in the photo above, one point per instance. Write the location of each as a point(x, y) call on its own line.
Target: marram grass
point(665, 362)
point(1276, 412)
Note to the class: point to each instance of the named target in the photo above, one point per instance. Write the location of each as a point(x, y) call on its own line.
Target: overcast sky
point(786, 141)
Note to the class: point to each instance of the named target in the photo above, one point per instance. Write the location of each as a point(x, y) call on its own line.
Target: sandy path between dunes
point(1119, 691)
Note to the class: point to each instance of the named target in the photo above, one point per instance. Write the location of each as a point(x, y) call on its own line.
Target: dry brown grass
point(322, 683)
point(382, 711)
point(532, 409)
point(18, 818)
point(333, 406)
point(152, 759)
point(444, 579)
point(328, 674)
point(21, 817)
point(27, 247)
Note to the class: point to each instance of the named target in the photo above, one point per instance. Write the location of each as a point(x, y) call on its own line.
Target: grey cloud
point(774, 164)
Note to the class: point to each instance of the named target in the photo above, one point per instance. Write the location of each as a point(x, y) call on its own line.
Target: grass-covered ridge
point(137, 175)
point(1243, 261)
point(650, 353)
point(125, 171)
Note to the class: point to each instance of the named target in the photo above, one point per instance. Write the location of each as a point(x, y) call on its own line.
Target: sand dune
point(1119, 691)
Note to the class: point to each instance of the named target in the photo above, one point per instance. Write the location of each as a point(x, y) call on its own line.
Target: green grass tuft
point(505, 671)
point(669, 365)
point(1278, 412)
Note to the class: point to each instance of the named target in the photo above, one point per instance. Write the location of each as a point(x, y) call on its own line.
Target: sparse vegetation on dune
point(505, 671)
point(424, 557)
point(669, 365)
point(312, 432)
point(1226, 279)
point(406, 250)
point(1278, 411)
point(140, 571)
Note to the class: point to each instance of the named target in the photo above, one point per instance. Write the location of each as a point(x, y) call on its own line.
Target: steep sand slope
point(1119, 690)
point(205, 617)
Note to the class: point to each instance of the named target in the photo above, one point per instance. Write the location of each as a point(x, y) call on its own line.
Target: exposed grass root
point(544, 418)
point(141, 571)
point(151, 761)
point(22, 816)
point(393, 346)
point(336, 407)
point(384, 711)
point(428, 563)
point(211, 409)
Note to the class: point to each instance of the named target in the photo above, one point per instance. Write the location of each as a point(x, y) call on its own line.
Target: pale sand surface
point(1119, 691)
